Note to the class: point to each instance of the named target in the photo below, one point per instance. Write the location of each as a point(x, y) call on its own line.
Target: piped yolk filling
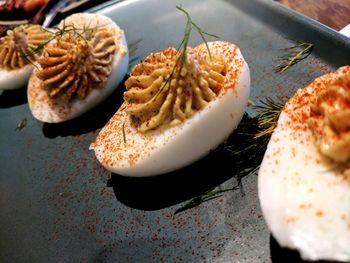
point(18, 47)
point(159, 95)
point(330, 120)
point(75, 64)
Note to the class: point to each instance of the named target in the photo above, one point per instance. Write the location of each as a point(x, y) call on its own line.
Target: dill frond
point(206, 196)
point(269, 111)
point(132, 48)
point(182, 49)
point(21, 124)
point(294, 54)
point(245, 148)
point(124, 134)
point(57, 33)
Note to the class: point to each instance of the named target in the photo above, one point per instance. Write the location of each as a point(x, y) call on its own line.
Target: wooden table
point(333, 13)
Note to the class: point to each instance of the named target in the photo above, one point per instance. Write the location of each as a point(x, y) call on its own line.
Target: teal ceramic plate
point(57, 204)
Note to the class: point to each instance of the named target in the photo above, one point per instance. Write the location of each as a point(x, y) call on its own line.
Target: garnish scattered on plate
point(21, 124)
point(294, 54)
point(245, 148)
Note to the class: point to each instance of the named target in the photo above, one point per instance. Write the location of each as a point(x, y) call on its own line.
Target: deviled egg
point(174, 115)
point(18, 53)
point(304, 179)
point(82, 66)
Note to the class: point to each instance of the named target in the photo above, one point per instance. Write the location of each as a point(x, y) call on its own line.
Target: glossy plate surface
point(56, 202)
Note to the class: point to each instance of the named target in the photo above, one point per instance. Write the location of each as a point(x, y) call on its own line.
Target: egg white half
point(306, 204)
point(15, 79)
point(122, 149)
point(47, 110)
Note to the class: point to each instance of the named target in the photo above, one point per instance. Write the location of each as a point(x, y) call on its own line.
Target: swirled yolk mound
point(154, 100)
point(78, 69)
point(175, 110)
point(19, 50)
point(75, 65)
point(330, 120)
point(304, 179)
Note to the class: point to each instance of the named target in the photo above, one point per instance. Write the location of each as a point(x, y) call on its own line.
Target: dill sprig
point(124, 133)
point(206, 196)
point(57, 33)
point(269, 111)
point(248, 142)
point(294, 54)
point(181, 61)
point(21, 124)
point(132, 48)
point(245, 147)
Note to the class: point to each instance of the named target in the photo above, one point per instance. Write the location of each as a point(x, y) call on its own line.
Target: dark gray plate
point(55, 203)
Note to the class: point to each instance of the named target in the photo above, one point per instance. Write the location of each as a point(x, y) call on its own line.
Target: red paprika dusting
point(299, 107)
point(110, 139)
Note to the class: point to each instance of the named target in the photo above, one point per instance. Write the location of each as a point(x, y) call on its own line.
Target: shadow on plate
point(11, 98)
point(157, 192)
point(89, 121)
point(285, 255)
point(234, 158)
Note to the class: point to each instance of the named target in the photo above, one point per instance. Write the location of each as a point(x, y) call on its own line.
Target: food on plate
point(82, 66)
point(17, 56)
point(175, 113)
point(304, 179)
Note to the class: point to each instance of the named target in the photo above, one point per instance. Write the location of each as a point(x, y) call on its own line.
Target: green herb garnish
point(250, 103)
point(21, 124)
point(245, 147)
point(124, 134)
point(56, 33)
point(132, 48)
point(294, 54)
point(206, 196)
point(181, 61)
point(269, 112)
